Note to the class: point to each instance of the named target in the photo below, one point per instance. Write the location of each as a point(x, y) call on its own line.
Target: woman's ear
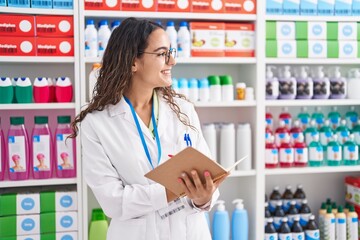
point(134, 67)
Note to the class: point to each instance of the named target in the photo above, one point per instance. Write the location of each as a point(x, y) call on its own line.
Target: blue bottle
point(221, 222)
point(239, 221)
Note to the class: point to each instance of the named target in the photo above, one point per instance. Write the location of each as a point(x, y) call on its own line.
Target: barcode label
point(8, 50)
point(46, 51)
point(93, 4)
point(46, 30)
point(41, 2)
point(63, 3)
point(7, 29)
point(19, 2)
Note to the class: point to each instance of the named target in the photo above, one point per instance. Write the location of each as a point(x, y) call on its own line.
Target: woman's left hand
point(200, 193)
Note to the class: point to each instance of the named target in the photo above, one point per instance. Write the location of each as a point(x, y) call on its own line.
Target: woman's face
point(151, 68)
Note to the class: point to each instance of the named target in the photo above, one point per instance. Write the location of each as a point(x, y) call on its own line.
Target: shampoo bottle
point(41, 90)
point(24, 90)
point(239, 221)
point(334, 152)
point(287, 84)
point(340, 224)
point(329, 225)
point(63, 89)
point(286, 153)
point(221, 222)
point(319, 117)
point(304, 86)
point(342, 132)
point(304, 118)
point(272, 84)
point(338, 85)
point(98, 225)
point(310, 132)
point(351, 118)
point(321, 84)
point(6, 90)
point(296, 132)
point(316, 153)
point(301, 156)
point(271, 154)
point(286, 117)
point(352, 224)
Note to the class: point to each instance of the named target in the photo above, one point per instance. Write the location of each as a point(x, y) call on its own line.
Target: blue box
point(308, 7)
point(41, 3)
point(291, 7)
point(343, 7)
point(19, 3)
point(2, 2)
point(63, 4)
point(274, 7)
point(356, 8)
point(326, 7)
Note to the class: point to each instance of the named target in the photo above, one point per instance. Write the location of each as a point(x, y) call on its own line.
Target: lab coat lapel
point(164, 116)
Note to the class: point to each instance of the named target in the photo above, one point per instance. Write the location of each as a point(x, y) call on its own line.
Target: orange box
point(239, 40)
point(17, 46)
point(17, 25)
point(174, 5)
point(208, 6)
point(139, 5)
point(207, 39)
point(102, 5)
point(54, 26)
point(240, 6)
point(54, 46)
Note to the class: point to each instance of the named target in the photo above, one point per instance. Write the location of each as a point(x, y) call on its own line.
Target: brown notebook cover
point(188, 159)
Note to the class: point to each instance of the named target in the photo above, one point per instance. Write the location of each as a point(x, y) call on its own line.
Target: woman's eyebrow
point(161, 48)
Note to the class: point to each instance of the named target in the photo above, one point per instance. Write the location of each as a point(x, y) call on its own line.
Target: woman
point(134, 121)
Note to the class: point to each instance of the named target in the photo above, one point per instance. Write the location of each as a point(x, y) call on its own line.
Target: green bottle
point(342, 132)
point(24, 90)
point(351, 118)
point(98, 225)
point(334, 152)
point(304, 118)
point(319, 117)
point(316, 154)
point(325, 135)
point(310, 132)
point(351, 152)
point(6, 90)
point(334, 118)
point(356, 132)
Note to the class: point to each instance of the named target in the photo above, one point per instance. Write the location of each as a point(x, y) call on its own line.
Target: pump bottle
point(272, 84)
point(321, 84)
point(287, 85)
point(304, 86)
point(239, 221)
point(221, 222)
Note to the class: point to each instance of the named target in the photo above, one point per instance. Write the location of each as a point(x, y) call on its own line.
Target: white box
point(317, 31)
point(66, 201)
point(66, 221)
point(348, 49)
point(286, 49)
point(347, 31)
point(317, 48)
point(27, 224)
point(285, 30)
point(67, 236)
point(27, 203)
point(29, 237)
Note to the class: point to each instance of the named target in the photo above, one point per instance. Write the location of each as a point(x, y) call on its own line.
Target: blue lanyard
point(142, 135)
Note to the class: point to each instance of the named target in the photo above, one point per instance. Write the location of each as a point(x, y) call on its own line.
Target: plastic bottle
point(322, 214)
point(272, 84)
point(325, 133)
point(301, 155)
point(93, 76)
point(41, 90)
point(334, 208)
point(305, 213)
point(24, 90)
point(221, 222)
point(334, 117)
point(296, 230)
point(114, 25)
point(204, 90)
point(353, 83)
point(18, 157)
point(98, 225)
point(52, 88)
point(329, 225)
point(282, 134)
point(104, 33)
point(286, 153)
point(311, 230)
point(2, 153)
point(340, 224)
point(269, 119)
point(334, 152)
point(319, 117)
point(271, 154)
point(287, 197)
point(6, 90)
point(287, 84)
point(63, 89)
point(183, 40)
point(286, 117)
point(278, 215)
point(295, 132)
point(275, 198)
point(193, 89)
point(172, 34)
point(227, 88)
point(351, 152)
point(268, 135)
point(342, 132)
point(267, 213)
point(240, 91)
point(304, 118)
point(249, 94)
point(352, 223)
point(243, 145)
point(65, 149)
point(321, 84)
point(175, 85)
point(227, 145)
point(215, 88)
point(347, 208)
point(239, 221)
point(299, 196)
point(209, 133)
point(316, 153)
point(292, 213)
point(351, 118)
point(338, 85)
point(91, 41)
point(42, 164)
point(270, 231)
point(356, 133)
point(183, 87)
point(310, 132)
point(304, 84)
point(284, 231)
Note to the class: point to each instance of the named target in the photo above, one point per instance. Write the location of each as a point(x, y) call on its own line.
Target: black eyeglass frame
point(167, 54)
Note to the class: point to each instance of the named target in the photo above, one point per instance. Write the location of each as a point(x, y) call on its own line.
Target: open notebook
point(188, 159)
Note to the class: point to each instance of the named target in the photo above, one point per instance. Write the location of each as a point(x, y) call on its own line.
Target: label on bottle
point(286, 204)
point(304, 218)
point(280, 138)
point(304, 121)
point(286, 155)
point(329, 228)
point(273, 204)
point(41, 153)
point(351, 121)
point(301, 155)
point(285, 236)
point(335, 122)
point(341, 228)
point(357, 137)
point(17, 154)
point(298, 236)
point(277, 222)
point(65, 157)
point(325, 138)
point(334, 153)
point(351, 153)
point(287, 122)
point(271, 156)
point(343, 136)
point(352, 227)
point(312, 235)
point(316, 154)
point(268, 137)
point(269, 122)
point(291, 218)
point(309, 136)
point(271, 236)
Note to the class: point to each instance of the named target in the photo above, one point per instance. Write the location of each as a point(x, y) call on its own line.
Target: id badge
point(174, 207)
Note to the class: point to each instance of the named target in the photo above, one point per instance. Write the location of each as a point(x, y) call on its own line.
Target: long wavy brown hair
point(127, 42)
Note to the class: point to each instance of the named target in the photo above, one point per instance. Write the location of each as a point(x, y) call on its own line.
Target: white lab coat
point(115, 163)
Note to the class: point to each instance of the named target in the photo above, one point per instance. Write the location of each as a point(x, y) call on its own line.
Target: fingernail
point(183, 174)
point(179, 180)
point(206, 174)
point(193, 172)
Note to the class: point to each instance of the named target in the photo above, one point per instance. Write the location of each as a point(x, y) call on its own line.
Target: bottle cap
point(183, 24)
point(97, 215)
point(243, 126)
point(340, 209)
point(16, 120)
point(203, 83)
point(90, 22)
point(170, 24)
point(214, 80)
point(63, 119)
point(221, 206)
point(239, 203)
point(193, 83)
point(183, 83)
point(115, 24)
point(41, 119)
point(103, 23)
point(241, 85)
point(226, 80)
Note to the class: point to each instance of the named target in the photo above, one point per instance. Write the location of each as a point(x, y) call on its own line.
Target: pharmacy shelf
point(312, 102)
point(311, 170)
point(243, 173)
point(318, 61)
point(312, 18)
point(38, 182)
point(36, 11)
point(172, 15)
point(22, 59)
point(34, 106)
point(235, 103)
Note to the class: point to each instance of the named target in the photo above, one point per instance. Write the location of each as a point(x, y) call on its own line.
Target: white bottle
point(114, 25)
point(171, 32)
point(91, 42)
point(183, 40)
point(103, 37)
point(243, 145)
point(353, 83)
point(227, 145)
point(204, 90)
point(227, 88)
point(209, 133)
point(93, 76)
point(193, 90)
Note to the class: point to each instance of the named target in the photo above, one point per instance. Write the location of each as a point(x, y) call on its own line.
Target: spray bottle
point(239, 221)
point(221, 222)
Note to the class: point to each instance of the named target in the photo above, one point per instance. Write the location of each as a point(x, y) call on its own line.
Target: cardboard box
point(348, 49)
point(348, 30)
point(25, 237)
point(208, 6)
point(239, 40)
point(173, 5)
point(285, 30)
point(17, 46)
point(207, 39)
point(58, 222)
point(308, 7)
point(19, 204)
point(60, 236)
point(139, 5)
point(356, 7)
point(291, 7)
point(19, 225)
point(17, 25)
point(326, 7)
point(240, 6)
point(311, 30)
point(333, 49)
point(54, 26)
point(317, 48)
point(102, 5)
point(274, 7)
point(54, 46)
point(281, 48)
point(59, 201)
point(343, 7)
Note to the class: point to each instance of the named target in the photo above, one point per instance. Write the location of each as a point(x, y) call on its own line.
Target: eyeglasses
point(166, 55)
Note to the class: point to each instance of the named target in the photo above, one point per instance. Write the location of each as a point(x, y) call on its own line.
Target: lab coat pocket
point(197, 227)
point(133, 229)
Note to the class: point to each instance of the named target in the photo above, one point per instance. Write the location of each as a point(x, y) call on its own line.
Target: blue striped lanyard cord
point(141, 134)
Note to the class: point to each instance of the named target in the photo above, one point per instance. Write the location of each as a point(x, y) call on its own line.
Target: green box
point(47, 201)
point(301, 30)
point(302, 49)
point(358, 32)
point(7, 226)
point(47, 222)
point(332, 30)
point(8, 204)
point(358, 48)
point(270, 30)
point(48, 236)
point(271, 48)
point(333, 49)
